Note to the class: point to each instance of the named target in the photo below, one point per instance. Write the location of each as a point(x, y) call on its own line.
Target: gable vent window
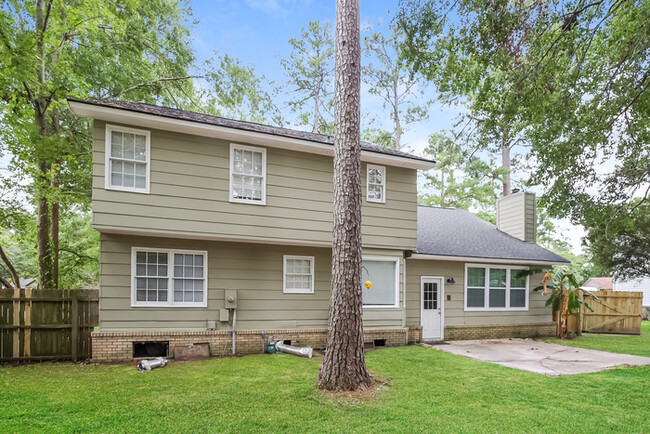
point(247, 174)
point(376, 184)
point(127, 159)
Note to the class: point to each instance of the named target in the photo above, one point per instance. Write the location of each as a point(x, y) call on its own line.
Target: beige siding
point(254, 270)
point(455, 314)
point(189, 197)
point(516, 215)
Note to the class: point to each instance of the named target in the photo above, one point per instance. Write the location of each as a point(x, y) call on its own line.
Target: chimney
point(517, 216)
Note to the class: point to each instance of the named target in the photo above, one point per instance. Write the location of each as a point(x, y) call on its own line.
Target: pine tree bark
point(505, 162)
point(344, 366)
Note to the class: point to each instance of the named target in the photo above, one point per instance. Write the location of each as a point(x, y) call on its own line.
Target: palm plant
point(564, 298)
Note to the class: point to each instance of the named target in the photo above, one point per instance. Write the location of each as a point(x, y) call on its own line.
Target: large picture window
point(247, 174)
point(495, 287)
point(127, 159)
point(163, 277)
point(383, 273)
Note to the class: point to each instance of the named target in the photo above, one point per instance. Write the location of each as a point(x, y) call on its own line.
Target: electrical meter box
point(231, 299)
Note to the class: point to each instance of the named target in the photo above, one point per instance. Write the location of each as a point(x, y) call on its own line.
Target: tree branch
point(12, 270)
point(151, 83)
point(78, 255)
point(6, 283)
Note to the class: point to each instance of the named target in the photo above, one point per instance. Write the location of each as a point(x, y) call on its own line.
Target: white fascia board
point(111, 114)
point(485, 260)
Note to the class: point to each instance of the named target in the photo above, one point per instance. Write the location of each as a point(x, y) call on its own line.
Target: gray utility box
point(231, 299)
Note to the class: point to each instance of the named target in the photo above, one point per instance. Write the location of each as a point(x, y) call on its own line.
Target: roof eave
point(126, 116)
point(486, 260)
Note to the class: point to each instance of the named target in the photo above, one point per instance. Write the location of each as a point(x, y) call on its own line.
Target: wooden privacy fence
point(617, 312)
point(47, 324)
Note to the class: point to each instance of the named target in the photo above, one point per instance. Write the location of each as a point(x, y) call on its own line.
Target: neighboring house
point(208, 225)
point(599, 283)
point(27, 283)
point(642, 285)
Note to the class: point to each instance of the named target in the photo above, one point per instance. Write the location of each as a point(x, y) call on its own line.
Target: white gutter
point(484, 260)
point(125, 116)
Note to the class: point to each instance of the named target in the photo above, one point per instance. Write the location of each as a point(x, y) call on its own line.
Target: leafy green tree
point(309, 70)
point(235, 91)
point(461, 179)
point(51, 50)
point(573, 79)
point(390, 80)
point(625, 240)
point(379, 137)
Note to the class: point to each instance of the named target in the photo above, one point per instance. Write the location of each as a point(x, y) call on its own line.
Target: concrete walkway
point(539, 357)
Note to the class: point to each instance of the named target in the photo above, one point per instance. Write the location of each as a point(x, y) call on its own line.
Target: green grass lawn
point(639, 345)
point(428, 391)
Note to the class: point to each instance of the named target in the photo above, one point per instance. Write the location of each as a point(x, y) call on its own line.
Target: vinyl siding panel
point(455, 313)
point(255, 270)
point(517, 216)
point(189, 197)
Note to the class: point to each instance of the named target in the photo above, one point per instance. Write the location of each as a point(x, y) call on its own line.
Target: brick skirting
point(118, 346)
point(454, 333)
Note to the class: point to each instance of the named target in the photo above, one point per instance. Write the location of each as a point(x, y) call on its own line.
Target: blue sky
point(257, 33)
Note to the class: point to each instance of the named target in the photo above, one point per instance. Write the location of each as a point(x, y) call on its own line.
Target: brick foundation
point(469, 332)
point(118, 346)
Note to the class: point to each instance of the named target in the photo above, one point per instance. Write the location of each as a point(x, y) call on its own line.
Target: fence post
point(74, 316)
point(16, 304)
point(27, 334)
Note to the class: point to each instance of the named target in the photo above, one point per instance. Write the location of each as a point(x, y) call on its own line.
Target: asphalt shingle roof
point(456, 232)
point(240, 125)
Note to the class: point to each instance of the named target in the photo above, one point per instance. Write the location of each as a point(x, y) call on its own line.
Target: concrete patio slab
point(539, 357)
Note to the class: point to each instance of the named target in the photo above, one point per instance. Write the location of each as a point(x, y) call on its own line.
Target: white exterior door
point(432, 308)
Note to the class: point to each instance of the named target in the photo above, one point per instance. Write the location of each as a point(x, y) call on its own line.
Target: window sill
point(496, 309)
point(128, 189)
point(381, 306)
point(248, 202)
point(166, 305)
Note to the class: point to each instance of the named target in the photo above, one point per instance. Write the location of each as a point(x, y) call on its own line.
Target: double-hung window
point(376, 184)
point(298, 274)
point(127, 159)
point(247, 174)
point(383, 273)
point(495, 287)
point(163, 277)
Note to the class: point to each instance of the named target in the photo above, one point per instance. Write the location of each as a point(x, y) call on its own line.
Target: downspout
point(234, 332)
point(404, 299)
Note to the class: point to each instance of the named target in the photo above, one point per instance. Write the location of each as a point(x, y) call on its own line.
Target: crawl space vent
point(150, 349)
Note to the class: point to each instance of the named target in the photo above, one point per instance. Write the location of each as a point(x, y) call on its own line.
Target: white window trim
point(394, 259)
point(284, 275)
point(234, 146)
point(383, 171)
point(486, 302)
point(107, 159)
point(170, 277)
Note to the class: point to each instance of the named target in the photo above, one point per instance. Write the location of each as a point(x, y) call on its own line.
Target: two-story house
point(219, 231)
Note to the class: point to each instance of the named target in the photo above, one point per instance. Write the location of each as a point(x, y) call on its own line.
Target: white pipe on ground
point(296, 351)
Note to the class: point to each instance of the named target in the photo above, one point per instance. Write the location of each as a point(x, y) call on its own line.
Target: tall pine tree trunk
point(505, 162)
point(344, 366)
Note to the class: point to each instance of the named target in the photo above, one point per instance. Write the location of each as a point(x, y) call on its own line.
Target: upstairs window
point(247, 174)
point(376, 184)
point(127, 159)
point(496, 287)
